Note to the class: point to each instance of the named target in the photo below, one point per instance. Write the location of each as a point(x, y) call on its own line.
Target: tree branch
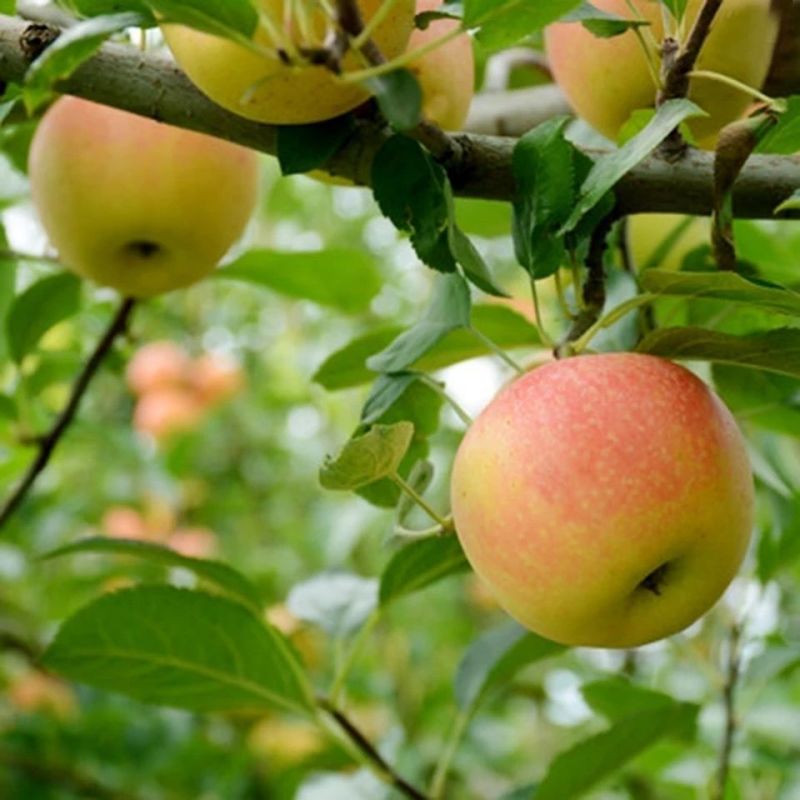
point(152, 85)
point(49, 442)
point(369, 751)
point(732, 672)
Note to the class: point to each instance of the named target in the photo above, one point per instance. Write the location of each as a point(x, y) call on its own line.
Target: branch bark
point(49, 442)
point(151, 85)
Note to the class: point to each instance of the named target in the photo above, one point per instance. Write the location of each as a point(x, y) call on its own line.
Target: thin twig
point(49, 442)
point(677, 64)
point(357, 737)
point(732, 673)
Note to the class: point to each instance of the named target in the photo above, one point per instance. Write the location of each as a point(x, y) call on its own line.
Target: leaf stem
point(440, 390)
point(420, 500)
point(498, 351)
point(733, 83)
point(337, 685)
point(454, 738)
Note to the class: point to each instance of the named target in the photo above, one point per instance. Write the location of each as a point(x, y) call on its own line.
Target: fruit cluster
point(174, 391)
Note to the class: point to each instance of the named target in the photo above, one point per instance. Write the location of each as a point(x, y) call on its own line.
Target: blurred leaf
point(508, 329)
point(229, 580)
point(343, 279)
point(506, 22)
point(495, 657)
point(367, 458)
point(587, 763)
point(39, 308)
point(96, 8)
point(418, 565)
point(180, 648)
point(617, 698)
point(337, 602)
point(776, 351)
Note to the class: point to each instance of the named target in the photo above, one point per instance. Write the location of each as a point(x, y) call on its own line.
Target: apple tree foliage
point(337, 645)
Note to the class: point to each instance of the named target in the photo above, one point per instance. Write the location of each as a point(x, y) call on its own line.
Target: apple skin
point(134, 204)
point(646, 232)
point(605, 80)
point(446, 75)
point(266, 89)
point(589, 474)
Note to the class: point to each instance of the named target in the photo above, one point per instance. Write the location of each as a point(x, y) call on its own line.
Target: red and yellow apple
point(606, 500)
point(163, 412)
point(262, 85)
point(134, 204)
point(605, 80)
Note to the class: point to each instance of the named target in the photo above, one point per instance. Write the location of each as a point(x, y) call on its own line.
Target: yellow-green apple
point(262, 85)
point(605, 80)
point(647, 232)
point(156, 365)
point(134, 204)
point(446, 75)
point(606, 500)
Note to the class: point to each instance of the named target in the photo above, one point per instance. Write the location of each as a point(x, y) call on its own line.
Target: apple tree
point(400, 400)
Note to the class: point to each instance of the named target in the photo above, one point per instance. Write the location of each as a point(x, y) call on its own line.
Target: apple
point(194, 542)
point(216, 378)
point(164, 412)
point(605, 80)
point(157, 365)
point(446, 75)
point(606, 500)
point(124, 522)
point(647, 232)
point(263, 86)
point(36, 691)
point(134, 204)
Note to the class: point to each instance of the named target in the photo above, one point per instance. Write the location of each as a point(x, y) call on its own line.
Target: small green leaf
point(305, 147)
point(41, 306)
point(180, 648)
point(343, 279)
point(222, 576)
point(495, 657)
point(448, 309)
point(420, 564)
point(609, 168)
point(505, 22)
point(375, 455)
point(617, 698)
point(399, 97)
point(75, 45)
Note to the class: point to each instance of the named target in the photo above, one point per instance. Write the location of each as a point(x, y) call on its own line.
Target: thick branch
point(152, 86)
point(49, 442)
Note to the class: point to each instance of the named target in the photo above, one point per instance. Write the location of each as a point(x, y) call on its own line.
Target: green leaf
point(305, 147)
point(225, 578)
point(722, 285)
point(601, 23)
point(8, 282)
point(506, 328)
point(75, 45)
point(337, 602)
point(587, 763)
point(375, 455)
point(40, 307)
point(96, 8)
point(775, 351)
point(495, 657)
point(399, 97)
point(617, 698)
point(343, 279)
point(506, 22)
point(230, 18)
point(449, 308)
point(180, 648)
point(609, 168)
point(385, 392)
point(420, 564)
